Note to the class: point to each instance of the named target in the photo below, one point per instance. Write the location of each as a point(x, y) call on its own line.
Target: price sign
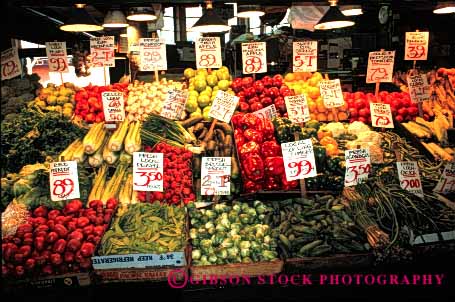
point(446, 183)
point(152, 53)
point(208, 52)
point(147, 171)
point(416, 46)
point(64, 181)
point(419, 90)
point(380, 66)
point(409, 176)
point(216, 176)
point(223, 106)
point(113, 106)
point(254, 57)
point(11, 65)
point(298, 159)
point(102, 51)
point(358, 166)
point(56, 54)
point(174, 104)
point(331, 93)
point(268, 112)
point(305, 56)
point(297, 107)
point(381, 115)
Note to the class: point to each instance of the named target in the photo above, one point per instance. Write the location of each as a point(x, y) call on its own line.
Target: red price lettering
point(108, 54)
point(378, 74)
point(153, 56)
point(352, 170)
point(149, 177)
point(358, 170)
point(58, 64)
point(299, 61)
point(115, 103)
point(410, 183)
point(95, 61)
point(63, 188)
point(225, 179)
point(115, 116)
point(448, 185)
point(381, 120)
point(207, 60)
point(9, 68)
point(304, 167)
point(416, 52)
point(253, 64)
point(220, 110)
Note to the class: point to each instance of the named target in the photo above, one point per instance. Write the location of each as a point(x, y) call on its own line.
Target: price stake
point(298, 157)
point(297, 107)
point(358, 166)
point(64, 181)
point(56, 54)
point(148, 171)
point(380, 66)
point(381, 115)
point(254, 57)
point(208, 52)
point(446, 183)
point(268, 112)
point(305, 56)
point(152, 53)
point(174, 104)
point(223, 106)
point(409, 176)
point(113, 106)
point(102, 51)
point(11, 65)
point(216, 176)
point(416, 46)
point(331, 93)
point(419, 90)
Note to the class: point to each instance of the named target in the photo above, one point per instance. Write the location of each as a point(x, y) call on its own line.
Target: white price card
point(152, 53)
point(216, 176)
point(305, 56)
point(11, 65)
point(419, 90)
point(223, 106)
point(298, 157)
point(64, 181)
point(381, 115)
point(102, 51)
point(113, 106)
point(268, 112)
point(208, 52)
point(331, 93)
point(416, 46)
point(446, 183)
point(148, 171)
point(174, 104)
point(380, 66)
point(358, 166)
point(409, 176)
point(254, 57)
point(297, 107)
point(57, 57)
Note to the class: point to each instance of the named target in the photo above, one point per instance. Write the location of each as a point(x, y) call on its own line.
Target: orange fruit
point(342, 116)
point(313, 92)
point(312, 106)
point(321, 117)
point(313, 81)
point(321, 108)
point(290, 77)
point(330, 116)
point(344, 107)
point(331, 150)
point(313, 116)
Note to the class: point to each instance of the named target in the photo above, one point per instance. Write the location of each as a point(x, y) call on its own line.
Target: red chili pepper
point(73, 245)
point(56, 259)
point(53, 214)
point(61, 230)
point(59, 246)
point(52, 237)
point(39, 243)
point(87, 249)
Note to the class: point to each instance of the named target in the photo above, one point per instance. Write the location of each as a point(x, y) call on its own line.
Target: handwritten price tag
point(64, 181)
point(268, 112)
point(446, 183)
point(409, 176)
point(331, 93)
point(380, 66)
point(298, 157)
point(147, 171)
point(113, 106)
point(381, 115)
point(419, 90)
point(305, 56)
point(358, 166)
point(223, 106)
point(208, 52)
point(254, 57)
point(216, 176)
point(297, 107)
point(102, 51)
point(11, 65)
point(152, 53)
point(416, 46)
point(56, 54)
point(174, 104)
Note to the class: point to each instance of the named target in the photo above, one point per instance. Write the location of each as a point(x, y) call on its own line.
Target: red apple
point(254, 99)
point(250, 92)
point(241, 94)
point(363, 112)
point(284, 90)
point(280, 104)
point(247, 82)
point(256, 106)
point(266, 101)
point(244, 107)
point(277, 80)
point(259, 86)
point(353, 113)
point(267, 80)
point(273, 92)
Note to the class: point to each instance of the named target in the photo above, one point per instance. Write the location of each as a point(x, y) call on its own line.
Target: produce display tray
point(279, 195)
point(139, 275)
point(340, 261)
point(56, 281)
point(415, 141)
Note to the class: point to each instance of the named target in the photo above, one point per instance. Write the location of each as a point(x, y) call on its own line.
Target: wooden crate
point(56, 281)
point(139, 274)
point(334, 262)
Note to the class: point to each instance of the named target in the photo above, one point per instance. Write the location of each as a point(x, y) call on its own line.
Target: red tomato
point(359, 104)
point(362, 119)
point(353, 113)
point(363, 112)
point(399, 118)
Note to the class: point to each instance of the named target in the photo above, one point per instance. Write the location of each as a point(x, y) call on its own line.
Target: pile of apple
point(57, 98)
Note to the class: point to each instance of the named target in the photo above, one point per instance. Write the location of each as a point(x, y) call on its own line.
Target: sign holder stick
point(303, 192)
point(414, 71)
point(334, 110)
point(157, 77)
point(105, 80)
point(61, 77)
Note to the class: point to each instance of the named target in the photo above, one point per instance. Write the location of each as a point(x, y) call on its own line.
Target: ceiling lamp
point(249, 11)
point(210, 22)
point(333, 18)
point(351, 10)
point(141, 14)
point(115, 19)
point(80, 20)
point(446, 7)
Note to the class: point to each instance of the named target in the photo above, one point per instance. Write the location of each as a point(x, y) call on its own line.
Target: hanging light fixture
point(333, 18)
point(249, 11)
point(210, 22)
point(351, 10)
point(445, 7)
point(80, 20)
point(115, 19)
point(141, 14)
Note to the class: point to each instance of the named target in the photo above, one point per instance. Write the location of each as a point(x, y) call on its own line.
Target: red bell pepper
point(250, 121)
point(253, 135)
point(271, 184)
point(253, 166)
point(251, 186)
point(270, 148)
point(268, 130)
point(288, 185)
point(249, 148)
point(274, 166)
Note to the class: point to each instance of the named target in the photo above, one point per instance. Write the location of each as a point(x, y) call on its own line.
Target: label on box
point(381, 115)
point(419, 90)
point(216, 176)
point(331, 93)
point(358, 166)
point(305, 56)
point(64, 181)
point(223, 106)
point(113, 106)
point(380, 66)
point(450, 235)
point(254, 57)
point(138, 260)
point(208, 52)
point(299, 161)
point(102, 51)
point(57, 57)
point(152, 53)
point(409, 176)
point(446, 183)
point(297, 107)
point(268, 112)
point(148, 171)
point(416, 46)
point(11, 65)
point(174, 104)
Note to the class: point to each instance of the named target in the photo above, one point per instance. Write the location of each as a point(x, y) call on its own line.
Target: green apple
point(189, 73)
point(222, 75)
point(202, 71)
point(224, 68)
point(191, 105)
point(224, 85)
point(203, 100)
point(193, 93)
point(196, 113)
point(212, 80)
point(200, 85)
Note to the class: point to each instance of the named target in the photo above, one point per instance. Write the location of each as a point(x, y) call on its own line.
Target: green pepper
point(320, 157)
point(333, 163)
point(282, 134)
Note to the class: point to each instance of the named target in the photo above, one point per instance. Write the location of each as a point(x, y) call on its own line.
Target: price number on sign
point(300, 61)
point(116, 117)
point(410, 183)
point(153, 56)
point(58, 64)
point(378, 74)
point(298, 110)
point(253, 64)
point(207, 60)
point(381, 121)
point(8, 68)
point(224, 181)
point(63, 187)
point(416, 52)
point(303, 167)
point(448, 185)
point(356, 171)
point(115, 103)
point(148, 177)
point(105, 57)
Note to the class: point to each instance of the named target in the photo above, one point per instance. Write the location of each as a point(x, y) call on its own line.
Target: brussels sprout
point(233, 232)
point(193, 233)
point(220, 261)
point(236, 239)
point(236, 208)
point(219, 237)
point(247, 260)
point(209, 225)
point(259, 234)
point(206, 243)
point(196, 262)
point(195, 222)
point(220, 228)
point(227, 243)
point(233, 216)
point(201, 231)
point(222, 253)
point(211, 214)
point(244, 218)
point(196, 241)
point(261, 217)
point(267, 239)
point(196, 254)
point(211, 231)
point(204, 219)
point(261, 209)
point(255, 257)
point(257, 203)
point(233, 252)
point(251, 237)
point(244, 207)
point(212, 258)
point(202, 211)
point(225, 222)
point(220, 208)
point(251, 212)
point(244, 252)
point(265, 246)
point(245, 244)
point(223, 216)
point(269, 255)
point(255, 247)
point(236, 226)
